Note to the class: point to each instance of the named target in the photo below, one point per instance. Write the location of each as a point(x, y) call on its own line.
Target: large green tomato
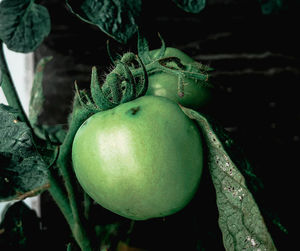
point(196, 95)
point(142, 159)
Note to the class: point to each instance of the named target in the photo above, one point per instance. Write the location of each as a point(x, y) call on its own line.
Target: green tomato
point(196, 95)
point(173, 52)
point(142, 159)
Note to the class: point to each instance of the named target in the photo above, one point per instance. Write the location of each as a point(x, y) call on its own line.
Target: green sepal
point(79, 114)
point(114, 83)
point(162, 49)
point(144, 84)
point(98, 96)
point(129, 85)
point(143, 49)
point(240, 220)
point(110, 54)
point(83, 100)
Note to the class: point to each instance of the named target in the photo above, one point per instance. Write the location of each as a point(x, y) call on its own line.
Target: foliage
point(120, 18)
point(240, 220)
point(35, 157)
point(191, 5)
point(20, 228)
point(24, 24)
point(23, 171)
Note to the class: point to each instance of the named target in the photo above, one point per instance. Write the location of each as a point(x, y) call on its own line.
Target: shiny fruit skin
point(142, 159)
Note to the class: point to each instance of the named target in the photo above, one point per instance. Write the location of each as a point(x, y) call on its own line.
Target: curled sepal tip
point(109, 53)
point(128, 84)
point(162, 49)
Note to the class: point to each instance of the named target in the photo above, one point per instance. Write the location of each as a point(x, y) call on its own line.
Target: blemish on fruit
point(134, 110)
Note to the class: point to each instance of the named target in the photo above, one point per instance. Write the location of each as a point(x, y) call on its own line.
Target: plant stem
point(70, 211)
point(60, 198)
point(87, 202)
point(82, 233)
point(9, 89)
point(78, 228)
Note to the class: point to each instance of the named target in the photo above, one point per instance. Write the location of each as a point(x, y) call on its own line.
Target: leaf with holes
point(240, 220)
point(23, 24)
point(23, 172)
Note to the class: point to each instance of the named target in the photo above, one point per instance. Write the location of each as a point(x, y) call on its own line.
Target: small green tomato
point(196, 94)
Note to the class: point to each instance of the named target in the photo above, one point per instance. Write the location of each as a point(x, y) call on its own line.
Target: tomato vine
point(28, 148)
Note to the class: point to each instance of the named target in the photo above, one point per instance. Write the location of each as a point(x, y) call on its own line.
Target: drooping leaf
point(23, 172)
point(19, 229)
point(23, 24)
point(37, 98)
point(117, 18)
point(240, 219)
point(193, 6)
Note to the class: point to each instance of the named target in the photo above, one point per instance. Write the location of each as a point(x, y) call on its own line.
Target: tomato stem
point(79, 226)
point(60, 197)
point(87, 202)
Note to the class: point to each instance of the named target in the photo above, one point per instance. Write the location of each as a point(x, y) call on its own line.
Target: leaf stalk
point(9, 89)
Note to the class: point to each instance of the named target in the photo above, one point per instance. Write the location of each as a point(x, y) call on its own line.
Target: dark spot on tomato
point(133, 110)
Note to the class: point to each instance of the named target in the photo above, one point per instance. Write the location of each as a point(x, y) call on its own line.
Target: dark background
point(256, 61)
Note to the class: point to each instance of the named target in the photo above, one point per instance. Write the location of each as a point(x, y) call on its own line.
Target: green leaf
point(271, 6)
point(23, 172)
point(19, 229)
point(37, 98)
point(193, 6)
point(117, 18)
point(240, 220)
point(54, 133)
point(23, 24)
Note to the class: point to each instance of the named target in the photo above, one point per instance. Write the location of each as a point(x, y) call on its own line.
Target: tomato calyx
point(129, 78)
point(173, 65)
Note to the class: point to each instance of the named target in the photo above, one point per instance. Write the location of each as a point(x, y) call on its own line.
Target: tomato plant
point(142, 159)
point(134, 149)
point(170, 73)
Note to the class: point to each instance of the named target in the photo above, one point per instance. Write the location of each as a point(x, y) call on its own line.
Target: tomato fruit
point(142, 159)
point(196, 95)
point(173, 52)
